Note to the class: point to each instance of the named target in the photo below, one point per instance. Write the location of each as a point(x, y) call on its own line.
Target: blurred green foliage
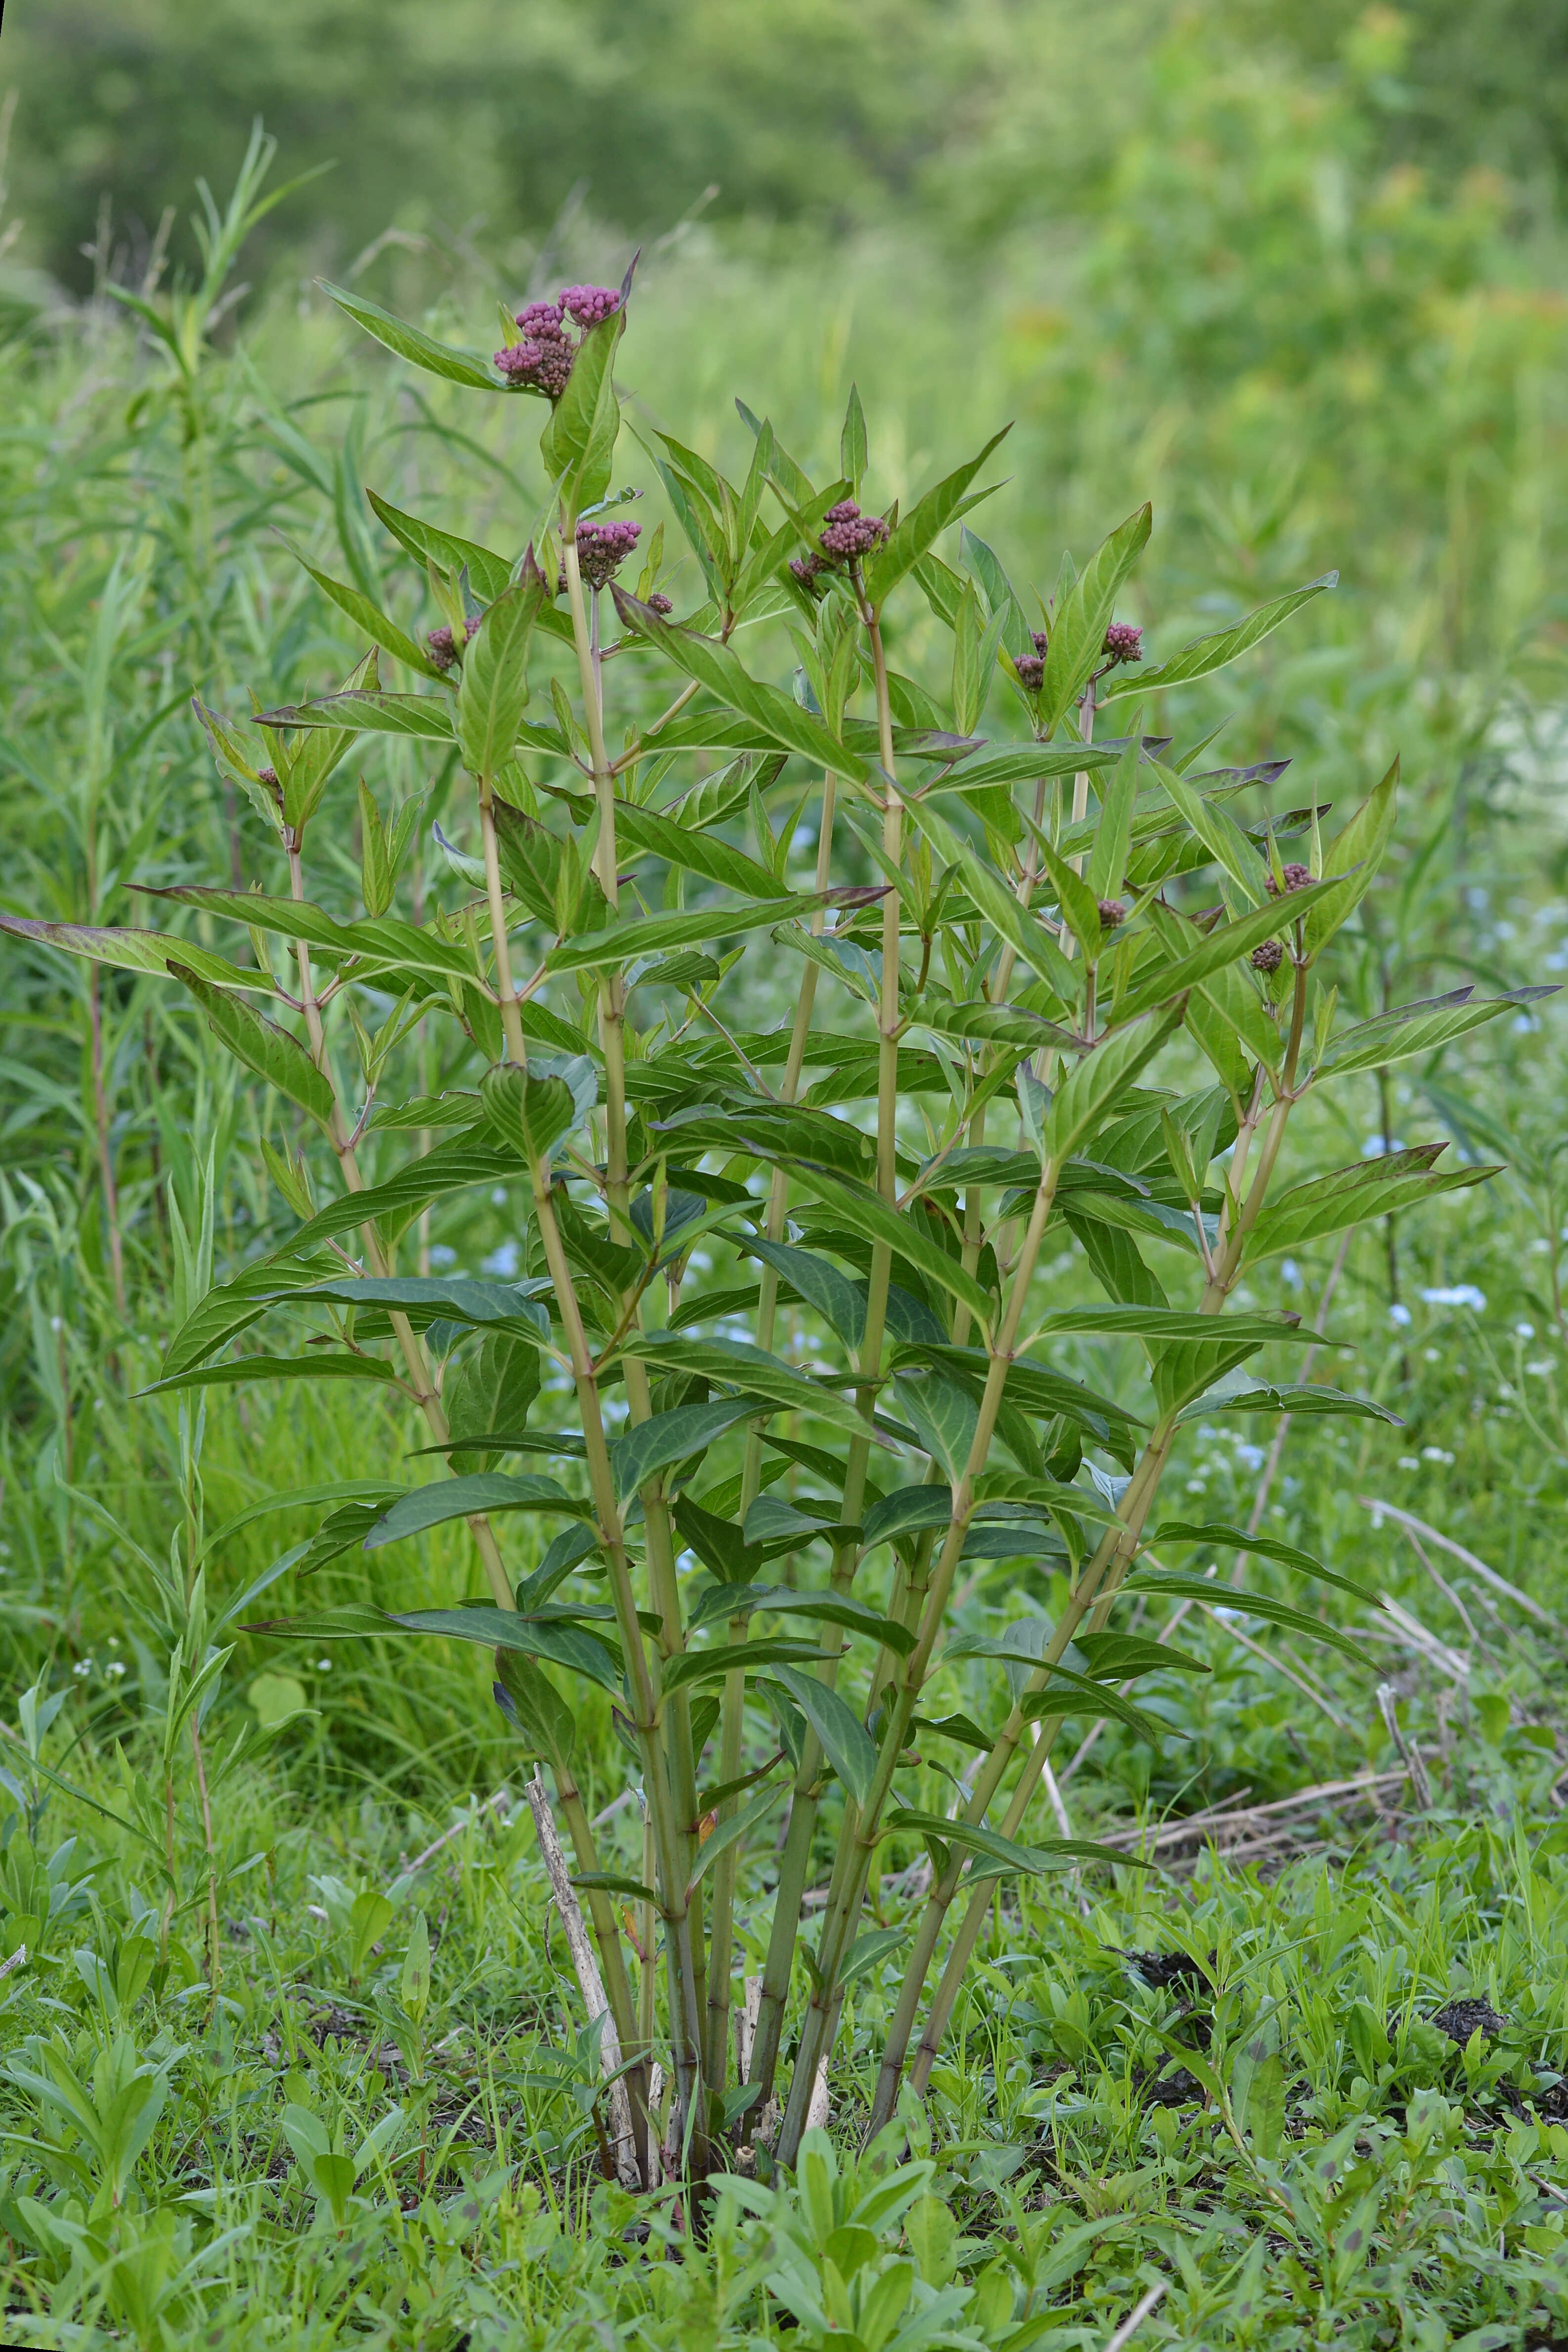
point(482, 117)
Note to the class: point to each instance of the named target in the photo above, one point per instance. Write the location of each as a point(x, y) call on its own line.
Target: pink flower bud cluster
point(589, 305)
point(1296, 877)
point(603, 548)
point(543, 360)
point(1124, 643)
point(1031, 667)
point(443, 644)
point(849, 534)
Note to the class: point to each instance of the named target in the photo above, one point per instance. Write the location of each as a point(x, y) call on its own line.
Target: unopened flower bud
point(603, 548)
point(807, 569)
point(658, 603)
point(1112, 912)
point(590, 304)
point(1031, 669)
point(540, 319)
point(848, 534)
point(268, 776)
point(1268, 957)
point(1124, 643)
point(543, 360)
point(443, 644)
point(1296, 877)
point(1042, 643)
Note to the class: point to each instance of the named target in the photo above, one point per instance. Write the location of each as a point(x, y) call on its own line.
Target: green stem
point(411, 1346)
point(863, 1824)
point(727, 1870)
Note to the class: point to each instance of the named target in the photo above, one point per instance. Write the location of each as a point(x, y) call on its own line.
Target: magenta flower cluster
point(847, 536)
point(1031, 667)
point(444, 645)
point(1296, 877)
point(602, 549)
point(589, 305)
point(1124, 643)
point(543, 360)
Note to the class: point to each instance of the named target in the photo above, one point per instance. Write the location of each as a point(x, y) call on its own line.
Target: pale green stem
point(863, 1824)
point(727, 1870)
point(410, 1345)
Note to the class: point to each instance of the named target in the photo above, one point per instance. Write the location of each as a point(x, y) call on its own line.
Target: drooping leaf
point(238, 1371)
point(411, 343)
point(262, 1046)
point(1205, 654)
point(487, 1491)
point(845, 1741)
point(752, 1369)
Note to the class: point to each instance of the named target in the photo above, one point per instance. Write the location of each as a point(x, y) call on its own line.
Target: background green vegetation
point(1297, 277)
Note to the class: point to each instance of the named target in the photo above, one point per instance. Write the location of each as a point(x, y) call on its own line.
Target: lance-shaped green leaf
point(693, 852)
point(1027, 937)
point(819, 1283)
point(752, 1369)
point(652, 1445)
point(723, 1601)
point(529, 1113)
point(376, 624)
point(992, 1024)
point(411, 343)
point(1221, 836)
point(1175, 1586)
point(1416, 1029)
point(578, 444)
point(926, 520)
point(229, 1309)
point(240, 1370)
point(1224, 945)
point(1114, 831)
point(1069, 1694)
point(133, 950)
point(1344, 1196)
point(465, 1161)
point(780, 720)
point(846, 1742)
point(262, 1046)
point(690, 1667)
point(562, 1643)
point(1085, 612)
point(1079, 903)
point(427, 718)
point(1023, 763)
point(535, 1707)
point(427, 544)
point(1097, 1086)
point(866, 1214)
point(494, 691)
point(1122, 1657)
point(1000, 1855)
point(382, 945)
point(1356, 853)
point(1273, 1397)
point(907, 1511)
point(1160, 1325)
point(1205, 654)
point(942, 1414)
point(489, 1491)
point(428, 1299)
point(1267, 1547)
point(623, 943)
point(730, 1832)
